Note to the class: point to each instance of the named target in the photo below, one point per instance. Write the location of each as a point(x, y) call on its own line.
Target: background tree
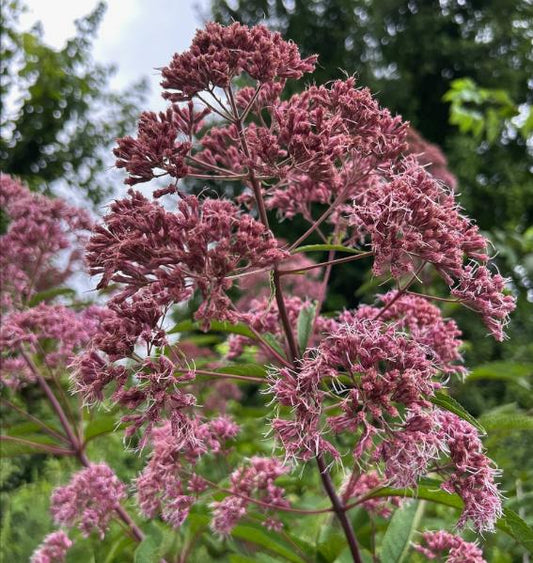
point(58, 112)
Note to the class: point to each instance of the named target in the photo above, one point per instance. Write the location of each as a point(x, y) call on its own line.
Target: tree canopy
point(58, 113)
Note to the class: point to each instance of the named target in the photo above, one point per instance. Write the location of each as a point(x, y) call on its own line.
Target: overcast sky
point(136, 35)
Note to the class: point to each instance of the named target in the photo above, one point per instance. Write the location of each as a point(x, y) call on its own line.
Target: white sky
point(136, 35)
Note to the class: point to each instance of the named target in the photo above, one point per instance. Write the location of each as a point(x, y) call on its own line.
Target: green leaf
point(346, 556)
point(513, 525)
point(507, 422)
point(326, 247)
point(504, 371)
point(305, 325)
point(450, 404)
point(30, 444)
point(148, 551)
point(215, 326)
point(100, 425)
point(50, 294)
point(397, 538)
point(267, 540)
point(510, 522)
point(273, 342)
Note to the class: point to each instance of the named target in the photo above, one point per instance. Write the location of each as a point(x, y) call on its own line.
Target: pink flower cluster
point(53, 549)
point(89, 500)
point(387, 367)
point(374, 370)
point(158, 146)
point(456, 549)
point(40, 230)
point(257, 478)
point(383, 364)
point(167, 485)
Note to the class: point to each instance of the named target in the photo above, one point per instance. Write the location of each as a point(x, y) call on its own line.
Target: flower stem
point(339, 509)
point(75, 443)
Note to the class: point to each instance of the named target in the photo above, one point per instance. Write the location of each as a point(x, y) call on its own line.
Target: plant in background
point(358, 396)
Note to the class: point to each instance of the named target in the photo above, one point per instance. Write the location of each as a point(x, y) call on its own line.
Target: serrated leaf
point(104, 424)
point(507, 422)
point(397, 538)
point(450, 404)
point(267, 540)
point(510, 522)
point(215, 326)
point(326, 247)
point(305, 322)
point(148, 551)
point(513, 525)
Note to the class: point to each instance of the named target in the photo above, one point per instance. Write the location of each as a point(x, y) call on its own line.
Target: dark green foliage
point(59, 116)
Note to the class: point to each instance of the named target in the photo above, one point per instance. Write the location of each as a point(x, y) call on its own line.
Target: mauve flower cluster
point(158, 146)
point(439, 544)
point(360, 484)
point(376, 369)
point(89, 500)
point(218, 54)
point(53, 549)
point(384, 365)
point(387, 366)
point(54, 332)
point(160, 257)
point(256, 478)
point(169, 254)
point(428, 436)
point(40, 230)
point(168, 485)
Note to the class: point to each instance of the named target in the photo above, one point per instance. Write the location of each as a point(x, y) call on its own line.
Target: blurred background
point(75, 75)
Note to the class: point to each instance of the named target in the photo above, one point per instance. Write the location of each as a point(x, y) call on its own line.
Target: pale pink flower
point(482, 291)
point(255, 480)
point(89, 500)
point(443, 544)
point(53, 549)
point(474, 475)
point(40, 230)
point(167, 484)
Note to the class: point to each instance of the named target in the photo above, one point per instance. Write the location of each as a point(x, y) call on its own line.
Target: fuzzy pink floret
point(53, 549)
point(257, 478)
point(456, 550)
